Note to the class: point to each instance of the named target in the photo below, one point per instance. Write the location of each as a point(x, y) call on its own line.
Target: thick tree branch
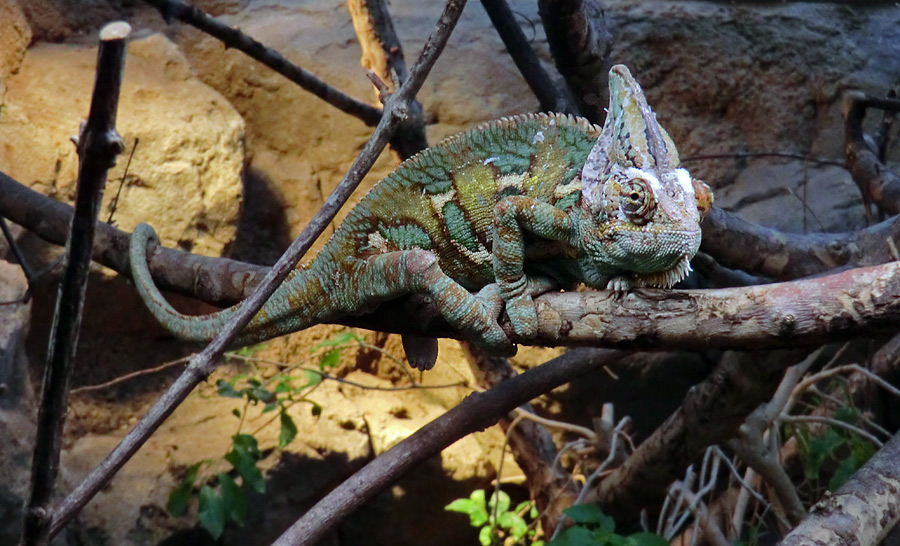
point(382, 53)
point(759, 250)
point(877, 183)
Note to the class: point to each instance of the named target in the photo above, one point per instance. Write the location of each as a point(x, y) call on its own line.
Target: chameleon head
point(646, 209)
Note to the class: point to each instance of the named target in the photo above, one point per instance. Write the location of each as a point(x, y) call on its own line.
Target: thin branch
point(98, 145)
point(476, 412)
point(204, 363)
point(232, 37)
point(832, 422)
point(549, 95)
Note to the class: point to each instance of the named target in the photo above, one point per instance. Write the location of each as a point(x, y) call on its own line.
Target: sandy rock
point(15, 35)
point(184, 177)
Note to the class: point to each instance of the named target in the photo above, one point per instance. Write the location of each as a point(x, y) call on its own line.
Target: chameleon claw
point(523, 316)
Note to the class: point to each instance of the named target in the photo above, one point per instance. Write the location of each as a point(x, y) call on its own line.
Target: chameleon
point(485, 220)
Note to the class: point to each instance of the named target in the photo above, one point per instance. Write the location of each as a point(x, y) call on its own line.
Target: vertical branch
point(548, 94)
point(382, 54)
point(98, 145)
point(580, 43)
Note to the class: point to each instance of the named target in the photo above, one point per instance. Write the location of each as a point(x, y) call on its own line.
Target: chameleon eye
point(637, 201)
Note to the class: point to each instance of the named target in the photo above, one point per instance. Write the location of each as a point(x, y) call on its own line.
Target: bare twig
point(234, 38)
point(476, 412)
point(203, 364)
point(98, 145)
point(549, 95)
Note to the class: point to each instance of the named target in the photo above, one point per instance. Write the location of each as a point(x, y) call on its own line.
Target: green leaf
point(590, 514)
point(312, 378)
point(862, 450)
point(485, 537)
point(236, 412)
point(330, 359)
point(340, 339)
point(233, 499)
point(575, 536)
point(179, 498)
point(227, 390)
point(243, 457)
point(502, 505)
point(248, 443)
point(514, 522)
point(478, 516)
point(283, 386)
point(822, 449)
point(843, 472)
point(288, 430)
point(646, 539)
point(181, 495)
point(316, 409)
point(848, 415)
point(212, 512)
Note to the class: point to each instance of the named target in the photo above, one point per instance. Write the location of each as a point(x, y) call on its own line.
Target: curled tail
point(298, 303)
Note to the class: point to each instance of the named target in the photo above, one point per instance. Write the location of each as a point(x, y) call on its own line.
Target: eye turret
point(637, 201)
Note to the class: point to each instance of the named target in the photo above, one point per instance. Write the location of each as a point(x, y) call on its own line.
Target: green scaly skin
point(536, 197)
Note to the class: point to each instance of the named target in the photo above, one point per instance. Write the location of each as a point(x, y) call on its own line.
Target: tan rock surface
point(184, 177)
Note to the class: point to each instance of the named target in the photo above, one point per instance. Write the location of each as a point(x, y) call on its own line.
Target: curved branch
point(580, 43)
point(759, 250)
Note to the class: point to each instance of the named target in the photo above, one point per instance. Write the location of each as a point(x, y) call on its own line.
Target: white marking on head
point(490, 160)
point(538, 137)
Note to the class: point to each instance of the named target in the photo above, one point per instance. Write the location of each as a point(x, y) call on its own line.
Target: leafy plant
point(222, 495)
point(836, 445)
point(499, 524)
point(594, 528)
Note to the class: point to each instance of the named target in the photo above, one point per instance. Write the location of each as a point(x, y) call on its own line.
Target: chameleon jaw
point(660, 279)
